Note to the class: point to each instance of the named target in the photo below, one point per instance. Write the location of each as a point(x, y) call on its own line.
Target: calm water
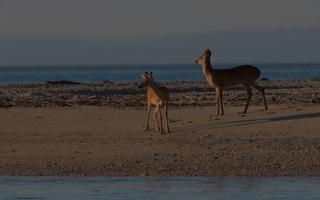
point(40, 74)
point(163, 188)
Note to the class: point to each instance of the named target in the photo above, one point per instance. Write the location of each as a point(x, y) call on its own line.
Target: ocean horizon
point(131, 73)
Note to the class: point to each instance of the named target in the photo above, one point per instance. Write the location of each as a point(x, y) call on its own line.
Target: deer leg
point(261, 90)
point(249, 93)
point(160, 118)
point(217, 102)
point(166, 116)
point(147, 123)
point(155, 119)
point(220, 100)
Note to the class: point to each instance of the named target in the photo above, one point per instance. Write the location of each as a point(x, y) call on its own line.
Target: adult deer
point(156, 96)
point(245, 75)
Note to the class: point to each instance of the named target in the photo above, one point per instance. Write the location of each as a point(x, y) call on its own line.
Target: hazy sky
point(131, 18)
point(80, 31)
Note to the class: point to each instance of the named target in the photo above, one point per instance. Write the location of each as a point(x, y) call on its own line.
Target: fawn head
point(203, 57)
point(147, 79)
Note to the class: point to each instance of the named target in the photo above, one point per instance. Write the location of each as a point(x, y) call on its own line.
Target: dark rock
point(264, 79)
point(62, 82)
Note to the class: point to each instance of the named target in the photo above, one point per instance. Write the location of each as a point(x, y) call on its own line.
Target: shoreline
point(125, 95)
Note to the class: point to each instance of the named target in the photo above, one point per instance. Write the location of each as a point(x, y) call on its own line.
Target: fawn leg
point(166, 116)
point(160, 118)
point(147, 123)
point(155, 119)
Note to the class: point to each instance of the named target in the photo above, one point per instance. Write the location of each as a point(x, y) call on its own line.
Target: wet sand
point(41, 137)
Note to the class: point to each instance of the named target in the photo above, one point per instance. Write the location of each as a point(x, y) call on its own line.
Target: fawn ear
point(143, 76)
point(150, 75)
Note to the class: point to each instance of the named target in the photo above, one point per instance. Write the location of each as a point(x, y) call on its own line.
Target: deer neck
point(155, 88)
point(207, 68)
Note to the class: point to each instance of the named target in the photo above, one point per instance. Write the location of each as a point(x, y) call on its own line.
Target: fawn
point(156, 96)
point(245, 75)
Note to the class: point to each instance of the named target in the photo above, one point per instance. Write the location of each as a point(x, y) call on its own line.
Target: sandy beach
point(97, 130)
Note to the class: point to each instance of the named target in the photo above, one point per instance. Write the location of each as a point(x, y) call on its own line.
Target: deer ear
point(208, 52)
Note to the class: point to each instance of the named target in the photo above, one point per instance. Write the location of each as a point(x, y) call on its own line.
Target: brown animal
point(156, 96)
point(245, 75)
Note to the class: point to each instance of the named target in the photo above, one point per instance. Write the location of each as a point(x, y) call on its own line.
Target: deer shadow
point(276, 119)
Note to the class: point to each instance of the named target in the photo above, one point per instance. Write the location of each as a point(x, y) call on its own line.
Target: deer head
point(147, 79)
point(205, 56)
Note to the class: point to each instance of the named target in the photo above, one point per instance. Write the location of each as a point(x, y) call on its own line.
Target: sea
point(131, 73)
point(141, 188)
